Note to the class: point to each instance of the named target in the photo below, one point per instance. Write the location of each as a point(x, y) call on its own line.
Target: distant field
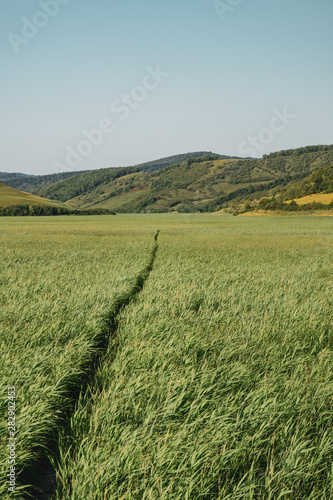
point(324, 198)
point(10, 196)
point(218, 381)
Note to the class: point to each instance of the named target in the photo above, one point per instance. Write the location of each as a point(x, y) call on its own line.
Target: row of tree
point(275, 204)
point(299, 151)
point(46, 210)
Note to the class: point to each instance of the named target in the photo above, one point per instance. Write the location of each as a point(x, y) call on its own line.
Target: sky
point(88, 84)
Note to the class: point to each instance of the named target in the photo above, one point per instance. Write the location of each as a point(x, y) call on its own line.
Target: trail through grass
point(60, 278)
point(222, 384)
point(217, 382)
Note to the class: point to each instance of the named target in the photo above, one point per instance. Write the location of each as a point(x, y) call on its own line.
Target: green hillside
point(206, 184)
point(314, 193)
point(10, 197)
point(84, 183)
point(18, 203)
point(320, 181)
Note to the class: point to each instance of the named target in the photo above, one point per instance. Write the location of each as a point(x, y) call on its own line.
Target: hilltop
point(207, 183)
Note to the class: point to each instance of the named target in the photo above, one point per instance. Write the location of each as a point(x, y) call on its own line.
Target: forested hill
point(89, 180)
point(205, 184)
point(30, 183)
point(320, 181)
point(84, 183)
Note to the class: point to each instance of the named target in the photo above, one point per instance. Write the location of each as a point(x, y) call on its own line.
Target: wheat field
point(215, 380)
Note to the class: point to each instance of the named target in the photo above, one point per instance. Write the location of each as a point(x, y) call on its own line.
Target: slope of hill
point(84, 183)
point(207, 183)
point(314, 193)
point(30, 183)
point(320, 181)
point(18, 203)
point(10, 196)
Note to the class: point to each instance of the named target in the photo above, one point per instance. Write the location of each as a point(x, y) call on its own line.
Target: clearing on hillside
point(324, 198)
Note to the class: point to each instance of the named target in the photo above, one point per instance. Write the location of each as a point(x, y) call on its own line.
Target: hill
point(208, 183)
point(320, 181)
point(29, 183)
point(18, 203)
point(10, 197)
point(32, 183)
point(84, 183)
point(314, 193)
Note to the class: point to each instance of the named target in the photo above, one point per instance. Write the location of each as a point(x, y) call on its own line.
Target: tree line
point(47, 210)
point(275, 204)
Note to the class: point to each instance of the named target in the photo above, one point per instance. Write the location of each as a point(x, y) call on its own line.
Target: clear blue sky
point(229, 68)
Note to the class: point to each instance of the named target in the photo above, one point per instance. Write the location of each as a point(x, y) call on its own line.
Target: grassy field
point(60, 278)
point(218, 382)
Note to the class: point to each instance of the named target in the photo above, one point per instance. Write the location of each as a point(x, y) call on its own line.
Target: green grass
point(218, 382)
point(60, 278)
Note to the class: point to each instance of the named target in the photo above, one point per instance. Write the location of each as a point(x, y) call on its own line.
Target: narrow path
point(43, 475)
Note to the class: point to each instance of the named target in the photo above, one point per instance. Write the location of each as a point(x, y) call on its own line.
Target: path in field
point(46, 473)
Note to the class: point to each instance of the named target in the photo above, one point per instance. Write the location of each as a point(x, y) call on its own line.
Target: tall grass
point(219, 383)
point(59, 280)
